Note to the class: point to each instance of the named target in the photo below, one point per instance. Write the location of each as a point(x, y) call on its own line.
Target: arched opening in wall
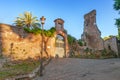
point(60, 46)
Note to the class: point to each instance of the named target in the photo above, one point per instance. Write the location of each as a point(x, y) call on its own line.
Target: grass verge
point(12, 69)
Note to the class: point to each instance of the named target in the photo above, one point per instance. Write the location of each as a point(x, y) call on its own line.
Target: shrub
point(34, 30)
point(48, 33)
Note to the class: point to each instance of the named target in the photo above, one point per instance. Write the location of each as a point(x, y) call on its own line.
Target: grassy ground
point(17, 68)
point(93, 57)
point(96, 56)
point(1, 57)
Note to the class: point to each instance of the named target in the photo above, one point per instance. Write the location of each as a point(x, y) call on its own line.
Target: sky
point(71, 11)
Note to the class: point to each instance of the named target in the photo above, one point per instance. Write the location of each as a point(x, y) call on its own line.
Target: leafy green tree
point(80, 42)
point(27, 20)
point(72, 43)
point(107, 37)
point(71, 39)
point(117, 7)
point(118, 37)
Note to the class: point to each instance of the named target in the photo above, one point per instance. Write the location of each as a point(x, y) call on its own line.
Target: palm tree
point(27, 20)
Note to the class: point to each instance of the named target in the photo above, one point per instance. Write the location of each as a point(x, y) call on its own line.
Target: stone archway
point(61, 41)
point(60, 46)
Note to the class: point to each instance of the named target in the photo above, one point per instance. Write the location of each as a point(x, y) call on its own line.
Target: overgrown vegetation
point(117, 7)
point(80, 42)
point(17, 68)
point(71, 42)
point(107, 37)
point(71, 39)
point(1, 56)
point(90, 54)
point(48, 33)
point(34, 30)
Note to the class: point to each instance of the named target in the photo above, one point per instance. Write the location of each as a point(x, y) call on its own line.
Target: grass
point(1, 57)
point(17, 68)
point(94, 56)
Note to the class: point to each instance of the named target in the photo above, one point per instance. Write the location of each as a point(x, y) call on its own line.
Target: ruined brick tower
point(91, 34)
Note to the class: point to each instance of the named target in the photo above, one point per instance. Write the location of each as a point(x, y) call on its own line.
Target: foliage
point(80, 42)
point(48, 33)
point(118, 25)
point(34, 30)
point(87, 50)
point(71, 39)
point(117, 7)
point(19, 68)
point(1, 56)
point(65, 31)
point(103, 54)
point(107, 37)
point(118, 36)
point(27, 20)
point(87, 56)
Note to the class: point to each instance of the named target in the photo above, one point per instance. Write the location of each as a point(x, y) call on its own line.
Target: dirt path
point(82, 69)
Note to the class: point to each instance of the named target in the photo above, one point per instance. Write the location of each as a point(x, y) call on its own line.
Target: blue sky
point(71, 11)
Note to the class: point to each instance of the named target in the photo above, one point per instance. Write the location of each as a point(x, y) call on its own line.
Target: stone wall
point(17, 44)
point(92, 35)
point(112, 44)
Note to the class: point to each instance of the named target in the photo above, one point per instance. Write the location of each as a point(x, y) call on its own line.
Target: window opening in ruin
point(109, 47)
point(59, 26)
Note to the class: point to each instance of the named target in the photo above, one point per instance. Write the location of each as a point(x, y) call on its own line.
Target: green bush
point(48, 33)
point(34, 30)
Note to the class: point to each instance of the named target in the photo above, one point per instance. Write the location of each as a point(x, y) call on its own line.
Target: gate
point(60, 47)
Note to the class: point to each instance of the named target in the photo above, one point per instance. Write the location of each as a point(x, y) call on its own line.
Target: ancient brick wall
point(17, 44)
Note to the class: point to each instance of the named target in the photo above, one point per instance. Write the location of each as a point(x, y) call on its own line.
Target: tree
point(27, 20)
point(71, 39)
point(117, 7)
point(107, 37)
point(71, 42)
point(80, 42)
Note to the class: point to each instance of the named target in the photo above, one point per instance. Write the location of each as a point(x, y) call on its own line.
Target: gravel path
point(82, 69)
